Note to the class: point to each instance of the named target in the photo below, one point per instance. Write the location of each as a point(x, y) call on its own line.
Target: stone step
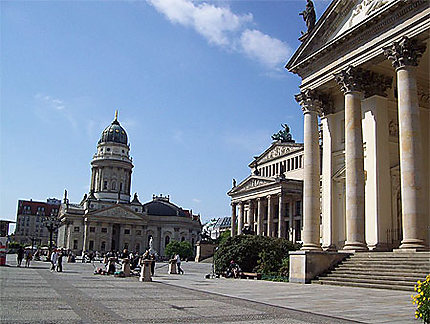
point(392, 256)
point(392, 273)
point(389, 261)
point(369, 281)
point(411, 279)
point(387, 267)
point(391, 286)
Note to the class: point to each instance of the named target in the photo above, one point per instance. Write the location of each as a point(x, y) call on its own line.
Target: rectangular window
point(91, 245)
point(76, 229)
point(298, 207)
point(287, 209)
point(92, 229)
point(298, 230)
point(138, 232)
point(75, 244)
point(104, 184)
point(126, 231)
point(104, 230)
point(126, 246)
point(103, 246)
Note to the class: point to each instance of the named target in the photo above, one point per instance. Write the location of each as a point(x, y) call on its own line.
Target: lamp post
point(51, 223)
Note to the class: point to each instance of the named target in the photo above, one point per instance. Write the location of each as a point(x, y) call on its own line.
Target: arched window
point(182, 239)
point(166, 240)
point(113, 185)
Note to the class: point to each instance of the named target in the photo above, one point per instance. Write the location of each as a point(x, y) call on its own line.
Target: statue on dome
point(283, 135)
point(309, 15)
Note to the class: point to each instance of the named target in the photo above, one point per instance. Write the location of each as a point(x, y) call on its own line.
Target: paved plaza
point(36, 295)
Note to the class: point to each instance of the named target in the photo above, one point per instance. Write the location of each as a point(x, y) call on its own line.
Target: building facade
point(30, 221)
point(108, 220)
point(269, 201)
point(365, 77)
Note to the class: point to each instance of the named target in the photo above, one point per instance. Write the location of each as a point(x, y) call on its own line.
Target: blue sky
point(200, 88)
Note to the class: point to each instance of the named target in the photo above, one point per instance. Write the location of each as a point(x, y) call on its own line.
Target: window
point(108, 149)
point(75, 244)
point(182, 239)
point(113, 185)
point(103, 246)
point(166, 240)
point(120, 186)
point(105, 184)
point(126, 246)
point(192, 242)
point(127, 231)
point(287, 210)
point(91, 245)
point(298, 207)
point(137, 248)
point(138, 232)
point(298, 230)
point(104, 230)
point(76, 229)
point(92, 229)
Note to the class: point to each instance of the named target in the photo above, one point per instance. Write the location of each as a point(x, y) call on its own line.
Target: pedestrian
point(60, 261)
point(28, 257)
point(54, 258)
point(19, 255)
point(178, 264)
point(152, 264)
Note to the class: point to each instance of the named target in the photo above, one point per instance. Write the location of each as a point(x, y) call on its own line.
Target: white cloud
point(197, 200)
point(58, 105)
point(222, 27)
point(268, 50)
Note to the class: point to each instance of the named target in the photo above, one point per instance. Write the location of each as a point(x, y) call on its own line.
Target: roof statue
point(283, 135)
point(256, 172)
point(309, 17)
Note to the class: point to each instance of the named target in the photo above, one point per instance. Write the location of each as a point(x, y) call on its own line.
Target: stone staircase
point(384, 270)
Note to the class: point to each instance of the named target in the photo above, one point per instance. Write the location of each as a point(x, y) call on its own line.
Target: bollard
point(172, 266)
point(145, 272)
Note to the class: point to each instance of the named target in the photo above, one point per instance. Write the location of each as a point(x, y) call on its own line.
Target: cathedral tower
point(111, 166)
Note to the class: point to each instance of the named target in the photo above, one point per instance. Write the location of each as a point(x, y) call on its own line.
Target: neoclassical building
point(364, 68)
point(107, 220)
point(269, 201)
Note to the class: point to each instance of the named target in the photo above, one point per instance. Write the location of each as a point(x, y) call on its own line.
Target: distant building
point(216, 226)
point(30, 227)
point(107, 220)
point(4, 227)
point(269, 201)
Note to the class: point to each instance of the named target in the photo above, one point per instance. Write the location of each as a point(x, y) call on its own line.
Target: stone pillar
point(85, 242)
point(233, 219)
point(291, 222)
point(351, 81)
point(251, 215)
point(281, 216)
point(310, 102)
point(269, 216)
point(240, 219)
point(405, 55)
point(259, 216)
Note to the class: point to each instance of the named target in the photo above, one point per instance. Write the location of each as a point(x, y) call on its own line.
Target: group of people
point(24, 254)
point(57, 260)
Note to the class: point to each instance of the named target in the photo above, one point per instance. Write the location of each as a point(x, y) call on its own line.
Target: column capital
point(351, 79)
point(309, 100)
point(233, 204)
point(405, 52)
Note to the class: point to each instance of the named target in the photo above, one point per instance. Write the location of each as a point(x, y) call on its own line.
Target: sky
point(200, 87)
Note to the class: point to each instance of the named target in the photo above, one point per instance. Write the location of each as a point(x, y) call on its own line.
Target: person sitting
point(233, 270)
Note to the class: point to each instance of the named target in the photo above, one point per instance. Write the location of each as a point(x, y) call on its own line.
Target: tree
point(184, 249)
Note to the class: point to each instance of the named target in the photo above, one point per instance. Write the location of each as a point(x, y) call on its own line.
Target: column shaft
point(269, 217)
point(281, 216)
point(259, 216)
point(240, 219)
point(233, 220)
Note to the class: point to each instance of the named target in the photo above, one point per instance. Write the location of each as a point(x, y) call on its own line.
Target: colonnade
point(271, 215)
point(356, 84)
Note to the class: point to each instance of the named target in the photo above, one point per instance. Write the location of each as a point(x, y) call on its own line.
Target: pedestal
point(172, 267)
point(145, 272)
point(126, 267)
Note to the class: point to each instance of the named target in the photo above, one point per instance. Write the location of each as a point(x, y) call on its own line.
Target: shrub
point(422, 300)
point(184, 249)
point(254, 253)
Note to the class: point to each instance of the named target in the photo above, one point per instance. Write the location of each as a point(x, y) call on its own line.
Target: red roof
point(34, 205)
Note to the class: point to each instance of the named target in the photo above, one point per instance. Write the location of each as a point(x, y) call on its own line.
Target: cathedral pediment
point(276, 150)
point(252, 182)
point(342, 22)
point(117, 212)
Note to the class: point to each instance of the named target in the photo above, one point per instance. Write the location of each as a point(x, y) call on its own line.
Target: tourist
point(60, 261)
point(28, 257)
point(54, 258)
point(19, 255)
point(233, 270)
point(152, 258)
point(178, 264)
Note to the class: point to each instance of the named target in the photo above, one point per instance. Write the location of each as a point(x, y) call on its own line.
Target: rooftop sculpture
point(283, 135)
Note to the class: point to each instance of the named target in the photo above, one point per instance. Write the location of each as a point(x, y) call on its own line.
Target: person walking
point(54, 258)
point(60, 261)
point(28, 257)
point(19, 256)
point(178, 264)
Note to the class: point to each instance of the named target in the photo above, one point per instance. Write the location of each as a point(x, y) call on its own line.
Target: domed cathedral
point(106, 220)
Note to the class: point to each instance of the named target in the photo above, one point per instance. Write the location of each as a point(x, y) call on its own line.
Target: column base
point(413, 244)
point(311, 247)
point(379, 247)
point(330, 248)
point(355, 246)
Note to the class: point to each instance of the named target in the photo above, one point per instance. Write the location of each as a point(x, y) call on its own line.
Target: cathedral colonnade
point(366, 185)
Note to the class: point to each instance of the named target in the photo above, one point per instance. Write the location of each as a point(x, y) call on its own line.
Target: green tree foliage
point(184, 249)
point(262, 254)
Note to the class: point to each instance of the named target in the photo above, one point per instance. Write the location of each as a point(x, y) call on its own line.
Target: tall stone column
point(405, 55)
point(233, 219)
point(281, 216)
point(269, 216)
point(240, 219)
point(260, 216)
point(311, 105)
point(251, 211)
point(352, 84)
point(85, 241)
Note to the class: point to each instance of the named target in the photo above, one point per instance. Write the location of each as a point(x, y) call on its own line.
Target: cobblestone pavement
point(36, 295)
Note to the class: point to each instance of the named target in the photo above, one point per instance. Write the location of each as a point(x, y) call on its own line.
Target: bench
point(250, 275)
